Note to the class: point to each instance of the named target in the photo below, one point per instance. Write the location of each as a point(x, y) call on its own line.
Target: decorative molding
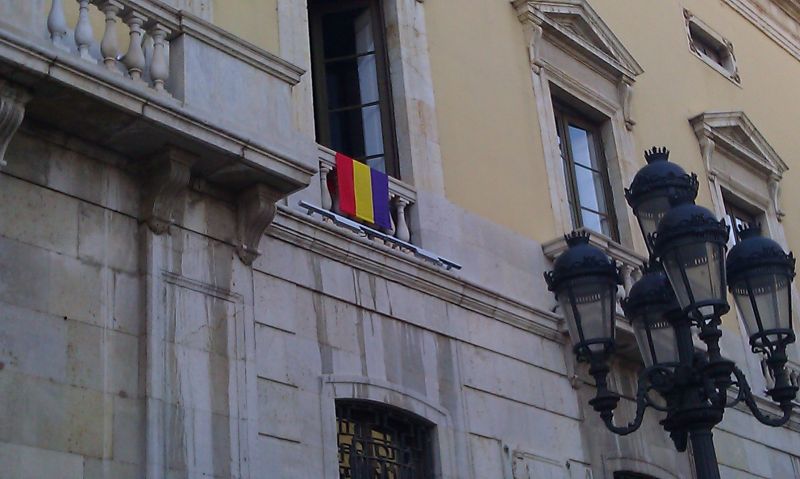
point(625, 87)
point(256, 208)
point(12, 111)
point(780, 24)
point(574, 25)
point(735, 134)
point(533, 35)
point(166, 176)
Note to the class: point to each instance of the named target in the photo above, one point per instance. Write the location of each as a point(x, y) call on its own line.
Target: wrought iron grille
point(376, 442)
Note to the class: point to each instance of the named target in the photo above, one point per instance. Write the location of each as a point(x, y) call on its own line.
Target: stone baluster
point(401, 226)
point(57, 24)
point(84, 36)
point(159, 66)
point(327, 200)
point(627, 278)
point(134, 59)
point(108, 46)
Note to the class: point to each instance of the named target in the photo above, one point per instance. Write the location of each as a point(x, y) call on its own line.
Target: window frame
point(388, 413)
point(317, 9)
point(564, 116)
point(698, 32)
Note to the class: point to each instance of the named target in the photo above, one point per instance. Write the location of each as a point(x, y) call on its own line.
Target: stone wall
point(128, 354)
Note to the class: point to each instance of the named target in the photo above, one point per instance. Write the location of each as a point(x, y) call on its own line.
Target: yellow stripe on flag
point(362, 183)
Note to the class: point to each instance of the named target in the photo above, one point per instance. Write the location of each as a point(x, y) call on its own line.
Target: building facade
point(179, 300)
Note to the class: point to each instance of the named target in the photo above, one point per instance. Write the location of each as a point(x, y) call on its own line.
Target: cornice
point(329, 241)
point(769, 24)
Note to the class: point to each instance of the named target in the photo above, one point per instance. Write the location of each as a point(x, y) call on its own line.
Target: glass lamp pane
point(697, 274)
point(656, 339)
point(770, 294)
point(588, 306)
point(650, 212)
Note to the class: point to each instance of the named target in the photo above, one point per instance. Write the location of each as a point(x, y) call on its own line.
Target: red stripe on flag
point(344, 182)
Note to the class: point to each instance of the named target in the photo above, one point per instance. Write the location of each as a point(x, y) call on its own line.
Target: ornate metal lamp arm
point(605, 401)
point(746, 394)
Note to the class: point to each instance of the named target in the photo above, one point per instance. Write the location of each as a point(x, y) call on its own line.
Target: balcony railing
point(181, 82)
point(629, 261)
point(402, 197)
point(149, 26)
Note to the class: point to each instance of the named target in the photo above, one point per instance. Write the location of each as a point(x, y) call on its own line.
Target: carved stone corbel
point(625, 87)
point(166, 176)
point(12, 110)
point(256, 210)
point(707, 147)
point(533, 34)
point(775, 196)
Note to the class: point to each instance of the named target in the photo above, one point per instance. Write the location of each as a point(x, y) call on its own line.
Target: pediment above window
point(734, 133)
point(575, 27)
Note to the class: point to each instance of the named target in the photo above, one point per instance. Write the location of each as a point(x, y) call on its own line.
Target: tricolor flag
point(363, 192)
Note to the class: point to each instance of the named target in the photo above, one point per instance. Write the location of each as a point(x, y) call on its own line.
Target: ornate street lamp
point(655, 186)
point(684, 285)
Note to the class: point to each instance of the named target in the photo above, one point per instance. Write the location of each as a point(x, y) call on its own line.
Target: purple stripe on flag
point(380, 199)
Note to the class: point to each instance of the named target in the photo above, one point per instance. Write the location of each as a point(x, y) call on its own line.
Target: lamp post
point(684, 285)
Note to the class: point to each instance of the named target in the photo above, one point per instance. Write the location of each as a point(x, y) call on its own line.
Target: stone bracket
point(256, 208)
point(12, 110)
point(166, 176)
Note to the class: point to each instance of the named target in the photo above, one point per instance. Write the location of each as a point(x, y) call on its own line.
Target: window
point(379, 442)
point(352, 100)
point(737, 216)
point(711, 47)
point(588, 187)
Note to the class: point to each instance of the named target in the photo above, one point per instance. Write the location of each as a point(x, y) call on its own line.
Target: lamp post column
point(703, 453)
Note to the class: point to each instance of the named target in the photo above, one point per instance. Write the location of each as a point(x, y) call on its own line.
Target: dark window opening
point(379, 442)
point(588, 186)
point(352, 96)
point(737, 216)
point(631, 475)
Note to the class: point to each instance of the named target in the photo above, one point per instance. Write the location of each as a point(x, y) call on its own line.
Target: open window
point(352, 96)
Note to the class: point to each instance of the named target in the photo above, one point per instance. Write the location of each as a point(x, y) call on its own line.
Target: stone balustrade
point(629, 261)
point(146, 60)
point(402, 197)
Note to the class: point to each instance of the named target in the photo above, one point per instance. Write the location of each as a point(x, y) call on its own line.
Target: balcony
point(181, 83)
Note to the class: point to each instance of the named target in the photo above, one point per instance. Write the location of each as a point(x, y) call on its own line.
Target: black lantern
point(760, 274)
point(649, 306)
point(585, 281)
point(655, 186)
point(690, 242)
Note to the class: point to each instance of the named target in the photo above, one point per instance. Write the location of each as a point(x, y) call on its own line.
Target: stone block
point(33, 343)
point(104, 469)
point(75, 289)
point(40, 413)
point(128, 432)
point(487, 457)
point(272, 354)
point(23, 462)
point(107, 238)
point(128, 303)
point(274, 417)
point(37, 216)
